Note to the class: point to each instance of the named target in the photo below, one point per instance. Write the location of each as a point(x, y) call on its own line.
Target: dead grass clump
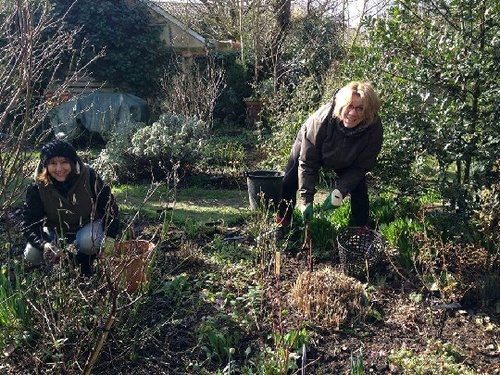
point(329, 298)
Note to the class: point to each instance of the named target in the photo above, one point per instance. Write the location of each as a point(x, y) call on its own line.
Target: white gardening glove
point(333, 200)
point(307, 211)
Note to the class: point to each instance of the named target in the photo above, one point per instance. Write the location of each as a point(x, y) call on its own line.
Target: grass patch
point(187, 204)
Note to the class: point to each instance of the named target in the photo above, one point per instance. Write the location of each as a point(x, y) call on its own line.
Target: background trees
point(271, 32)
point(134, 56)
point(434, 63)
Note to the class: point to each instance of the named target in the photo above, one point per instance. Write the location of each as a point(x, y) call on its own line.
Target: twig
point(304, 360)
point(308, 245)
point(96, 350)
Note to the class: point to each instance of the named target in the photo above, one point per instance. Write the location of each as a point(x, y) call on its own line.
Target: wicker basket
point(360, 250)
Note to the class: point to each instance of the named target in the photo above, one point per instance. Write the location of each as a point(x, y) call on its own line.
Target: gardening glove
point(333, 200)
point(108, 245)
point(307, 211)
point(50, 253)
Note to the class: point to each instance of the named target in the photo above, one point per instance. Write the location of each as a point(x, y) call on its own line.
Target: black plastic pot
point(264, 188)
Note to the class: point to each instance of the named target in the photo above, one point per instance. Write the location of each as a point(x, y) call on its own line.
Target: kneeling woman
point(69, 206)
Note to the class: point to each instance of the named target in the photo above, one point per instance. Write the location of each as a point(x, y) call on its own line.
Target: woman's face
point(59, 168)
point(353, 114)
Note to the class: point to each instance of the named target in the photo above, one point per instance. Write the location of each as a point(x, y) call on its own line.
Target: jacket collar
point(361, 128)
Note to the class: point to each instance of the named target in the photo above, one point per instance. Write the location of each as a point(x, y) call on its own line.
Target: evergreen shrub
point(173, 138)
point(151, 151)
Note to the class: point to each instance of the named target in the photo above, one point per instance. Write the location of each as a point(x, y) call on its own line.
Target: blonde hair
point(365, 90)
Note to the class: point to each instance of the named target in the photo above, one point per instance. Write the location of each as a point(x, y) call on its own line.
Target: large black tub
point(264, 188)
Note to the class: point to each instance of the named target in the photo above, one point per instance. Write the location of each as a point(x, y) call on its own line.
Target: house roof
point(179, 35)
point(159, 8)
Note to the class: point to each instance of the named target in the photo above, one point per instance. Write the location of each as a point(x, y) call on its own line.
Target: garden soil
point(166, 339)
point(402, 321)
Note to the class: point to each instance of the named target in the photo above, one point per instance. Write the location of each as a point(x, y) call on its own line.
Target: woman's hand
point(51, 253)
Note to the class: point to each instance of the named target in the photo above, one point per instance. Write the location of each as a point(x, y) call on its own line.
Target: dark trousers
point(360, 204)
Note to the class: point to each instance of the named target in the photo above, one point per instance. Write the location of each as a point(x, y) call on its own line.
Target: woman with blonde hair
point(344, 136)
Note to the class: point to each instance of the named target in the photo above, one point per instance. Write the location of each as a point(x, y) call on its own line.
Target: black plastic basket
point(361, 250)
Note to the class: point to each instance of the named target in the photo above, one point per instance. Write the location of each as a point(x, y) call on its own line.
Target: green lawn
point(192, 203)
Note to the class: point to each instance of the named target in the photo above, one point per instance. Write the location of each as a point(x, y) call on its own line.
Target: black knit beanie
point(57, 148)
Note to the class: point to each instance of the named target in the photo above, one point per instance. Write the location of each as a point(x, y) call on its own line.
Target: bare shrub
point(32, 48)
point(458, 272)
point(70, 318)
point(488, 215)
point(193, 90)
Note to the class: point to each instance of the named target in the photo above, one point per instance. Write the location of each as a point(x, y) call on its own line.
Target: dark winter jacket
point(68, 206)
point(326, 143)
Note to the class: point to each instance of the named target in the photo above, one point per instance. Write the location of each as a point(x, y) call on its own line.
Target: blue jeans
point(88, 241)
